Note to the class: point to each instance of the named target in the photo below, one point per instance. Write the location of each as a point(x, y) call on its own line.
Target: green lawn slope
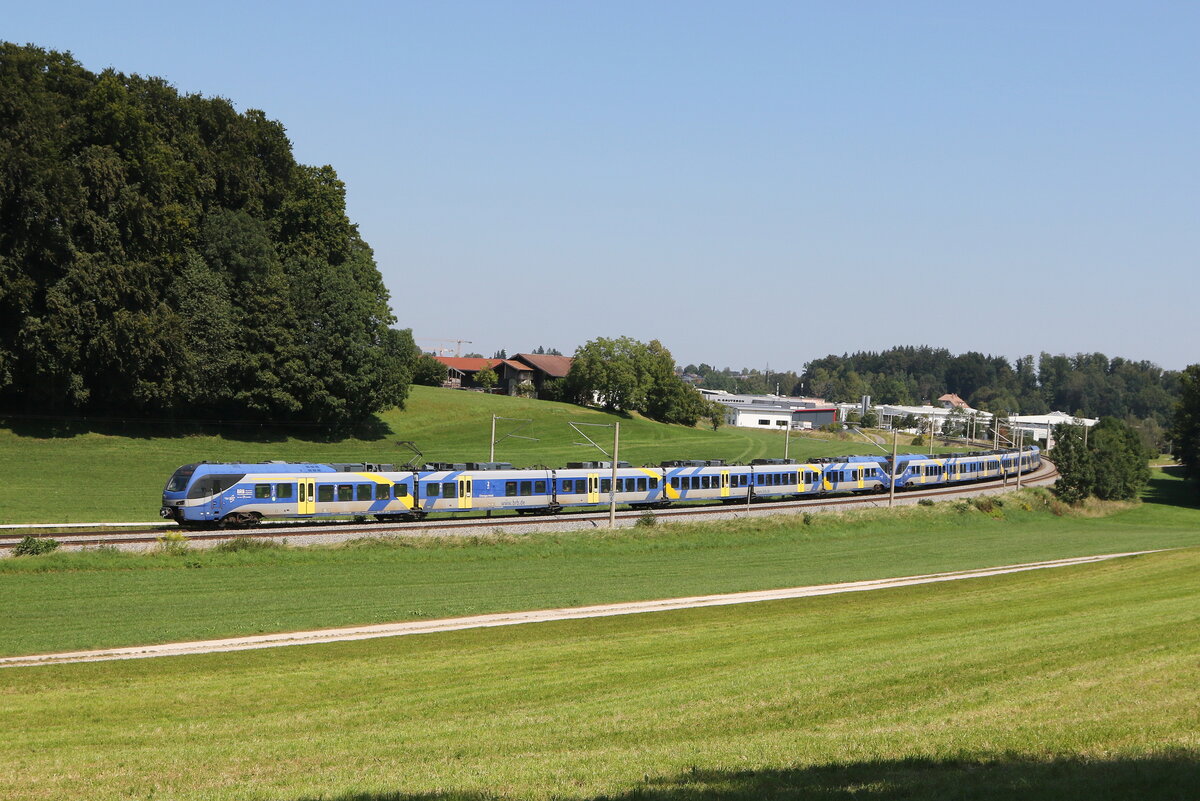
point(116, 471)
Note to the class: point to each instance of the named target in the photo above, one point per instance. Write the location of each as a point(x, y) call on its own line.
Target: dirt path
point(537, 616)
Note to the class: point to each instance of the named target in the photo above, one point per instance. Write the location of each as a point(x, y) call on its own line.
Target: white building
point(1040, 426)
point(773, 411)
point(890, 413)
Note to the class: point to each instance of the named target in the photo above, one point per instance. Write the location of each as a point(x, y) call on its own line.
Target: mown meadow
point(1074, 683)
point(68, 601)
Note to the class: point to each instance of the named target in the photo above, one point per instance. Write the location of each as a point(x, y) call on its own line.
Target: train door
point(214, 505)
point(593, 493)
point(305, 498)
point(724, 483)
point(464, 492)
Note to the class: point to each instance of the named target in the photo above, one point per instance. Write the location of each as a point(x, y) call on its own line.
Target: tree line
point(1086, 384)
point(164, 255)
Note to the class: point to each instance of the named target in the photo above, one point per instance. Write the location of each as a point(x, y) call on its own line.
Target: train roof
point(205, 468)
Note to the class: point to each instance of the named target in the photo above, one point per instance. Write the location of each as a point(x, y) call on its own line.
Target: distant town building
point(890, 414)
point(772, 411)
point(1041, 426)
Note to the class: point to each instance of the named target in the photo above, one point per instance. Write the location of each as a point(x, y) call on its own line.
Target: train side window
point(641, 485)
point(539, 488)
point(401, 490)
point(606, 485)
point(580, 486)
point(433, 489)
point(526, 487)
point(382, 492)
point(284, 491)
point(653, 483)
point(705, 482)
point(695, 482)
point(262, 490)
point(345, 492)
point(325, 492)
point(675, 482)
point(510, 489)
point(365, 491)
point(450, 489)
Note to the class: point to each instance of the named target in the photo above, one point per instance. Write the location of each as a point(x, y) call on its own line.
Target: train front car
point(242, 494)
point(238, 494)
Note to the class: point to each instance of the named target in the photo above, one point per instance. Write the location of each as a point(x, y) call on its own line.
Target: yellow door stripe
point(406, 501)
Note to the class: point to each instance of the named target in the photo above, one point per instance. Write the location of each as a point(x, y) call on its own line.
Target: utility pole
point(1020, 447)
point(612, 481)
point(892, 491)
point(612, 486)
point(787, 435)
point(931, 435)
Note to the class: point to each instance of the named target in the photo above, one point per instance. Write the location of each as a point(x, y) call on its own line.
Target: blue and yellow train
point(234, 495)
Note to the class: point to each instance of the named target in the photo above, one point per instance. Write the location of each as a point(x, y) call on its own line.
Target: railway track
point(303, 533)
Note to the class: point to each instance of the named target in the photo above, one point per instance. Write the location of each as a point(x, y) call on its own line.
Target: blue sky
point(751, 183)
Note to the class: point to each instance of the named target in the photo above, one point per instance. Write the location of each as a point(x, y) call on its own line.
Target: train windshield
point(179, 480)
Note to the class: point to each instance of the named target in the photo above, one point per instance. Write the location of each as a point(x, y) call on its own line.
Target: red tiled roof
point(953, 400)
point(467, 364)
point(553, 366)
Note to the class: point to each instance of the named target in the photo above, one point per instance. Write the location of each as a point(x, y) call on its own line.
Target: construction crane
point(458, 343)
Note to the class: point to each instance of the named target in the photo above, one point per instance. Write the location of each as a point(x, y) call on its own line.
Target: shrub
point(646, 520)
point(244, 543)
point(32, 546)
point(172, 542)
point(984, 504)
point(925, 502)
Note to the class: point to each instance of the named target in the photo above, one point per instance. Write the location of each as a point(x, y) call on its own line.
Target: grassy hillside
point(116, 472)
point(82, 600)
point(1066, 685)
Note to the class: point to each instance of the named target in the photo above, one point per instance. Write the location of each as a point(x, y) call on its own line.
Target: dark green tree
point(1185, 425)
point(1076, 468)
point(1120, 459)
point(162, 254)
point(428, 371)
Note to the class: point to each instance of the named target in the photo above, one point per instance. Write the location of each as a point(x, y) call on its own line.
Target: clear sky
point(752, 183)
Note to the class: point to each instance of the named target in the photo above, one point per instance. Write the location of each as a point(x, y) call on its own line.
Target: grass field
point(1078, 683)
point(1062, 685)
point(68, 601)
point(60, 473)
